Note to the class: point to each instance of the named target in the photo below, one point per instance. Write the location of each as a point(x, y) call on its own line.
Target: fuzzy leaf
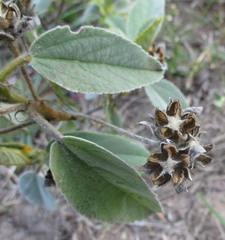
point(146, 38)
point(122, 6)
point(115, 21)
point(140, 13)
point(93, 60)
point(98, 184)
point(160, 92)
point(31, 186)
point(131, 153)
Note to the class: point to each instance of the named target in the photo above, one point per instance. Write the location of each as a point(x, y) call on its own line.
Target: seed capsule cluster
point(12, 22)
point(178, 133)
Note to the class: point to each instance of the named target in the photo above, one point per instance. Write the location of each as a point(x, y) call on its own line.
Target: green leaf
point(91, 14)
point(11, 156)
point(93, 60)
point(130, 152)
point(114, 21)
point(140, 13)
point(41, 5)
point(112, 116)
point(146, 38)
point(31, 186)
point(98, 184)
point(67, 127)
point(122, 6)
point(160, 92)
point(63, 96)
point(19, 154)
point(5, 123)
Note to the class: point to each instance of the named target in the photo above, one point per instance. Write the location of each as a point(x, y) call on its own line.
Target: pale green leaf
point(31, 186)
point(114, 21)
point(147, 37)
point(146, 24)
point(140, 13)
point(160, 92)
point(122, 6)
point(98, 184)
point(41, 5)
point(93, 60)
point(67, 127)
point(130, 152)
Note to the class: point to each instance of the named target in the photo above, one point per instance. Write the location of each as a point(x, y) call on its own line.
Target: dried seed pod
point(180, 150)
point(169, 164)
point(12, 23)
point(158, 52)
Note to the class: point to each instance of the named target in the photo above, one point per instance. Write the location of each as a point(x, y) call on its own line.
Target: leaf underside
point(160, 92)
point(98, 184)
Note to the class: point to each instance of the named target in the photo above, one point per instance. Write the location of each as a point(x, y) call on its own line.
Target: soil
point(184, 216)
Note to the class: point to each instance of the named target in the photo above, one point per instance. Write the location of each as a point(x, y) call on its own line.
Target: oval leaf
point(31, 186)
point(141, 11)
point(98, 184)
point(130, 152)
point(160, 92)
point(93, 60)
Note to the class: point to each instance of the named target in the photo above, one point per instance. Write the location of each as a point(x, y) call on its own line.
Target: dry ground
point(196, 27)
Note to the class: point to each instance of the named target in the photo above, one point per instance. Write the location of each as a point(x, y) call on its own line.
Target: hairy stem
point(16, 127)
point(14, 65)
point(12, 108)
point(15, 51)
point(75, 116)
point(44, 124)
point(39, 112)
point(8, 96)
point(60, 11)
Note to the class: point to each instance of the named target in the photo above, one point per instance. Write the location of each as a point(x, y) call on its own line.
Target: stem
point(74, 116)
point(60, 11)
point(8, 96)
point(16, 127)
point(44, 124)
point(14, 65)
point(14, 48)
point(15, 107)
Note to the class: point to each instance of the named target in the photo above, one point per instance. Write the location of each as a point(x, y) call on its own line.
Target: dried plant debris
point(12, 23)
point(178, 133)
point(158, 52)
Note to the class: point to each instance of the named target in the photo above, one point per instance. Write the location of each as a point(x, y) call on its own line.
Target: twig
point(44, 123)
point(74, 116)
point(60, 11)
point(13, 65)
point(12, 108)
point(14, 49)
point(16, 127)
